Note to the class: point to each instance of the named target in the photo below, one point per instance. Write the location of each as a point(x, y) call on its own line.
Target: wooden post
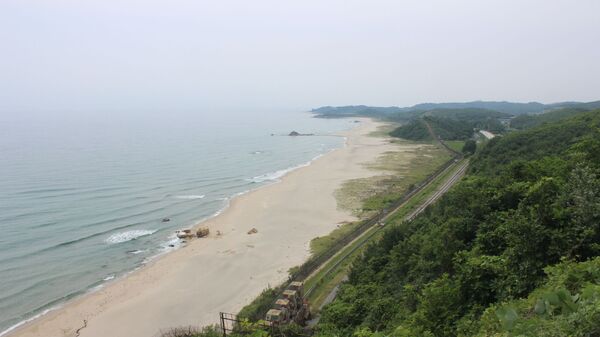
point(223, 325)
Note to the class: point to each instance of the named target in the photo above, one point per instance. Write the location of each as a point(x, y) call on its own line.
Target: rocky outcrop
point(296, 133)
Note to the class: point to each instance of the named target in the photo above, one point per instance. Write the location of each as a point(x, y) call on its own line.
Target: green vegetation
point(384, 130)
point(567, 304)
point(512, 250)
point(509, 251)
point(456, 145)
point(414, 130)
point(397, 113)
point(445, 128)
point(470, 147)
point(210, 331)
point(467, 114)
point(401, 169)
point(451, 124)
point(260, 305)
point(529, 121)
point(325, 283)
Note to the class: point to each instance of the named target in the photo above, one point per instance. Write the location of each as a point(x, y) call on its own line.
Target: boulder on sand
point(253, 231)
point(202, 232)
point(184, 234)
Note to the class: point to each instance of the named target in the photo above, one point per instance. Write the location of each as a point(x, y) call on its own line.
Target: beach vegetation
point(260, 305)
point(400, 170)
point(190, 331)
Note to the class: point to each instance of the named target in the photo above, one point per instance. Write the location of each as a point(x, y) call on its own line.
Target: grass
point(456, 145)
point(384, 130)
point(320, 244)
point(324, 285)
point(401, 169)
point(260, 305)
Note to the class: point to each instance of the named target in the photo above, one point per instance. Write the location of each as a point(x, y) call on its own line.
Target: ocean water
point(82, 201)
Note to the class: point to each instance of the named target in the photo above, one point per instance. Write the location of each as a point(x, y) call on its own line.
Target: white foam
point(109, 277)
point(128, 236)
point(190, 197)
point(96, 288)
point(172, 243)
point(277, 175)
point(2, 333)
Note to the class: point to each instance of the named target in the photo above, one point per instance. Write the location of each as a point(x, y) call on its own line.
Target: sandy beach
point(191, 285)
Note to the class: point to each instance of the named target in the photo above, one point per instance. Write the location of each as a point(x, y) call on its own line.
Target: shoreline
point(63, 322)
point(68, 299)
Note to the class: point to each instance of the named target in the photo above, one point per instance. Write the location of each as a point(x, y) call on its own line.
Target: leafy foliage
point(531, 200)
point(414, 130)
point(413, 111)
point(470, 147)
point(529, 121)
point(256, 309)
point(451, 124)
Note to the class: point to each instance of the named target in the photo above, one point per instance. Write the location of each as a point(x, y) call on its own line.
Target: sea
point(85, 201)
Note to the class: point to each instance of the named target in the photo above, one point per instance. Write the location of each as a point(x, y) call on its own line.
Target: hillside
point(511, 250)
point(404, 113)
point(451, 124)
point(528, 121)
point(504, 107)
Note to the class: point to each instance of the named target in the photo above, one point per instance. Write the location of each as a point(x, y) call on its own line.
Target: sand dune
point(191, 285)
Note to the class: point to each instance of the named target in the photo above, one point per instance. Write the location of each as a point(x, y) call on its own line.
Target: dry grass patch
point(399, 170)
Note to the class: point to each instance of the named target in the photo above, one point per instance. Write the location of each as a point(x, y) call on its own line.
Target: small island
point(296, 133)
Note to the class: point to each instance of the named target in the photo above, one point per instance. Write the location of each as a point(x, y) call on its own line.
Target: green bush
point(530, 200)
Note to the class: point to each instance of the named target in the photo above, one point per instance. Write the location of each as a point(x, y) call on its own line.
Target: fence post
point(223, 325)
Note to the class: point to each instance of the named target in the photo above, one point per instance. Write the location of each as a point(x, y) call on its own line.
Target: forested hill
point(512, 250)
point(415, 110)
point(451, 124)
point(529, 121)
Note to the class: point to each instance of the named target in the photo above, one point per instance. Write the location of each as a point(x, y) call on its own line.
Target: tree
point(469, 147)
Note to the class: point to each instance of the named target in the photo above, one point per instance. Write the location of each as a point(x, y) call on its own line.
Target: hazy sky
point(129, 55)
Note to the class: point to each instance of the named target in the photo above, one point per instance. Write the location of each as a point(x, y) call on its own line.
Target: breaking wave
point(274, 176)
point(128, 236)
point(190, 197)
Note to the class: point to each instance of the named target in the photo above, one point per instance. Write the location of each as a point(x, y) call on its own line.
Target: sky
point(94, 56)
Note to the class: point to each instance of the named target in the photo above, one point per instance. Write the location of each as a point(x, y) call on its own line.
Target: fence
point(232, 325)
